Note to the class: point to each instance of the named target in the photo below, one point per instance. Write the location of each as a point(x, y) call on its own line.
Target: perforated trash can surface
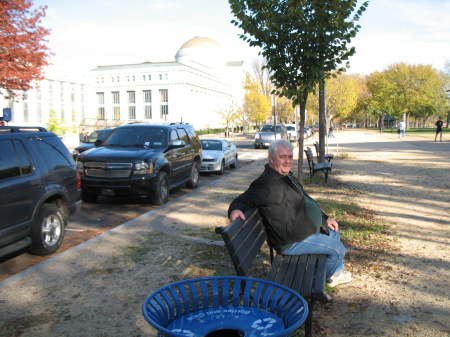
point(225, 306)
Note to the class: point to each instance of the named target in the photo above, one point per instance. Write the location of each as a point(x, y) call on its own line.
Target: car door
point(19, 187)
point(175, 157)
point(228, 153)
point(186, 153)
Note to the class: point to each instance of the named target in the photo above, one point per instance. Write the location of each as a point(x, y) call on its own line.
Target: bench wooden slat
point(243, 240)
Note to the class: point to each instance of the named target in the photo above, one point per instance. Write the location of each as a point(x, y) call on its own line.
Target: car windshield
point(212, 145)
point(92, 137)
point(269, 128)
point(141, 137)
point(290, 128)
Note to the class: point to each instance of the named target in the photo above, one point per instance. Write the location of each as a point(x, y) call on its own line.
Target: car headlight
point(143, 168)
point(75, 153)
point(257, 136)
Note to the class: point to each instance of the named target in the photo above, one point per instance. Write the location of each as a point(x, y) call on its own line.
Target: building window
point(115, 97)
point(25, 112)
point(131, 97)
point(116, 111)
point(100, 105)
point(131, 104)
point(38, 112)
point(101, 112)
point(100, 98)
point(116, 104)
point(164, 100)
point(131, 112)
point(147, 96)
point(147, 104)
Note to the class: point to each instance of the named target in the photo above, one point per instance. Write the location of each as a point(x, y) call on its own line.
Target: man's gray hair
point(273, 148)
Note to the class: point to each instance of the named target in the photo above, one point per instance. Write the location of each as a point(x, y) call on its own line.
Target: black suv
point(143, 160)
point(39, 190)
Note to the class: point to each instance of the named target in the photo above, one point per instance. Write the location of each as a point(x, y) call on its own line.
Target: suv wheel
point(48, 231)
point(89, 197)
point(193, 177)
point(162, 189)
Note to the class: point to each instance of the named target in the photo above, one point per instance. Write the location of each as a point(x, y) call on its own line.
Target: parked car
point(89, 142)
point(141, 160)
point(266, 135)
point(218, 154)
point(39, 190)
point(291, 129)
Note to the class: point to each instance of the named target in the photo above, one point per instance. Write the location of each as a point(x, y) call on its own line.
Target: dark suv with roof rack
point(39, 190)
point(141, 160)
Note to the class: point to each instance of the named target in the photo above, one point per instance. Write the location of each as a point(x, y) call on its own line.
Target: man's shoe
point(340, 278)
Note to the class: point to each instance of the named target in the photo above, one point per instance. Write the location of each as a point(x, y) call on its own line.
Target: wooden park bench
point(304, 274)
point(328, 156)
point(317, 167)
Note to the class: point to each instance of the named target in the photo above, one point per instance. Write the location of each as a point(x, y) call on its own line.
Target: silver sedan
point(217, 154)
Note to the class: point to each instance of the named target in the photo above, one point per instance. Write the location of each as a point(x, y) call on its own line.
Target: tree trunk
point(301, 138)
point(322, 121)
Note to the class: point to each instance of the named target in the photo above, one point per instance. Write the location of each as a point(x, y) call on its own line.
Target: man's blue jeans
point(322, 244)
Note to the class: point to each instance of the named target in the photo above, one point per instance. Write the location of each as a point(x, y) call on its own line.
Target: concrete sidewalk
point(98, 287)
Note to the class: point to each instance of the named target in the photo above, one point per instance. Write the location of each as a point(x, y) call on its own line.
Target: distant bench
point(317, 167)
point(327, 156)
point(304, 274)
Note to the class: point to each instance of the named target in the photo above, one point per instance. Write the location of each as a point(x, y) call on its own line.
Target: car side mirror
point(176, 144)
point(98, 143)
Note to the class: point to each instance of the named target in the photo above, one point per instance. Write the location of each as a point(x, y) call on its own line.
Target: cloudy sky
point(88, 33)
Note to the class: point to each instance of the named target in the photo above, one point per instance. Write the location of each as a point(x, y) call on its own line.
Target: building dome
point(201, 50)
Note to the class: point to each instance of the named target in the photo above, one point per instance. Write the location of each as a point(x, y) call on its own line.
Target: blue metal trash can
point(225, 306)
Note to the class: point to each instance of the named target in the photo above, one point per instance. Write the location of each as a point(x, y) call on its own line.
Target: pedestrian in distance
point(294, 222)
point(439, 124)
point(330, 132)
point(402, 129)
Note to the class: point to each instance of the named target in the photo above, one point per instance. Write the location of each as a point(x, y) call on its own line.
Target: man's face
point(282, 161)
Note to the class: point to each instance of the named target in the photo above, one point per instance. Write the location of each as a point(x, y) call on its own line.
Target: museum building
point(191, 89)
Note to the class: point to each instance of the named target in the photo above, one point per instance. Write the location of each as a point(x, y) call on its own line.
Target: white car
point(218, 154)
point(292, 131)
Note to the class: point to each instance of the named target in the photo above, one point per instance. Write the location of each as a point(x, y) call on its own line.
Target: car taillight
point(78, 181)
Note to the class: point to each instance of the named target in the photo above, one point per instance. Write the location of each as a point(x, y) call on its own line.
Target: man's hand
point(332, 224)
point(236, 214)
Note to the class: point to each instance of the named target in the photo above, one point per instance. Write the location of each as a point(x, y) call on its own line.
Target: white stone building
point(192, 88)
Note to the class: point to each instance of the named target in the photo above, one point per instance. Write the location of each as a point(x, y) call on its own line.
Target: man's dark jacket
point(282, 207)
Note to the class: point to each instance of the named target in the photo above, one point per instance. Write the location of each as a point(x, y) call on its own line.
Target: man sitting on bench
point(294, 222)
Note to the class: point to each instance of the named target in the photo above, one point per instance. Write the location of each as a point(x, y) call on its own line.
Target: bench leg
point(308, 322)
point(326, 175)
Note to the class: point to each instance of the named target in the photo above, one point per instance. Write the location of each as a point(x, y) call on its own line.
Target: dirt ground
point(98, 289)
point(405, 292)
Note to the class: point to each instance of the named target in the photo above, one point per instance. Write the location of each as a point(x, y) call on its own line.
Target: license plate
point(108, 192)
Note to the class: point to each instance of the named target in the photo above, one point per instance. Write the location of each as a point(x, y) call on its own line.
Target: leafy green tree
point(341, 98)
point(229, 116)
point(411, 90)
point(361, 111)
point(285, 110)
point(56, 124)
point(302, 41)
point(23, 52)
